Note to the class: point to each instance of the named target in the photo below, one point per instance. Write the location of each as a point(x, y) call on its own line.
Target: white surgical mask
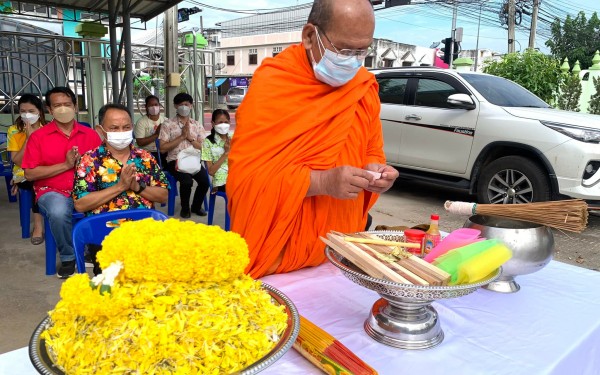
point(119, 140)
point(63, 114)
point(154, 110)
point(333, 69)
point(183, 110)
point(30, 118)
point(222, 128)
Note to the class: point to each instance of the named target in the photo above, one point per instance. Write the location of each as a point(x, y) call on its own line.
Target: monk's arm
point(315, 187)
point(343, 182)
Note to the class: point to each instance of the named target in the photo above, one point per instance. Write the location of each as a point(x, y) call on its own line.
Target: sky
point(414, 24)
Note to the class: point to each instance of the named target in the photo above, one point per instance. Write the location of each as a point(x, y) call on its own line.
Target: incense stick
point(382, 242)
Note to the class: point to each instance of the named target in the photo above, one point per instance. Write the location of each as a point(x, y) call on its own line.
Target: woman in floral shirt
point(215, 150)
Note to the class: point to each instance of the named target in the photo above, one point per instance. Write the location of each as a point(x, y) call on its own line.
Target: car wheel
point(513, 179)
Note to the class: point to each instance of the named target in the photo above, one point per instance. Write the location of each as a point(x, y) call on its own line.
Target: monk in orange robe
point(308, 132)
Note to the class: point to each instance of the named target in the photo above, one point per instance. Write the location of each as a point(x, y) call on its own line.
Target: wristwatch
point(142, 187)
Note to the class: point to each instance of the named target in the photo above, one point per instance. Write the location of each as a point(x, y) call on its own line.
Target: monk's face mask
point(334, 69)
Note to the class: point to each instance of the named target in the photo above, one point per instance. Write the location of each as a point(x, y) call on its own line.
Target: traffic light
point(447, 46)
point(183, 14)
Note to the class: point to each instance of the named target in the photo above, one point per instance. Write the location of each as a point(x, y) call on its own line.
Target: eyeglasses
point(345, 52)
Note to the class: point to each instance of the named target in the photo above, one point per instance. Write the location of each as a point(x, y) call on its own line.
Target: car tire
point(513, 179)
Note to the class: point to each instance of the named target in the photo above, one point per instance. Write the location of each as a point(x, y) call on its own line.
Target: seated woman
point(215, 149)
point(31, 117)
point(177, 134)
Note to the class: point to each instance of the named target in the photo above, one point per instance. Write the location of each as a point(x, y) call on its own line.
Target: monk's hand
point(344, 182)
point(380, 185)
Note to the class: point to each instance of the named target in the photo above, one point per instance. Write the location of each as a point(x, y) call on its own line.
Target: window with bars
point(253, 56)
point(276, 51)
point(38, 10)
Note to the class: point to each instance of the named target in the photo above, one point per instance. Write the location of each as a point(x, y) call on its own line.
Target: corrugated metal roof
point(142, 9)
point(267, 23)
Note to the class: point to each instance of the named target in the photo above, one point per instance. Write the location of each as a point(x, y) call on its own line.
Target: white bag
point(189, 161)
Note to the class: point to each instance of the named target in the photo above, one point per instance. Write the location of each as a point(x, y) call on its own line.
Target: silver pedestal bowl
point(403, 317)
point(532, 246)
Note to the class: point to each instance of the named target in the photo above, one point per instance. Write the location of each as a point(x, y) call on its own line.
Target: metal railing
point(34, 63)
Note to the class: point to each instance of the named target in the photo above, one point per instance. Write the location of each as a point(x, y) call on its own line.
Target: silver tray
point(42, 362)
point(403, 317)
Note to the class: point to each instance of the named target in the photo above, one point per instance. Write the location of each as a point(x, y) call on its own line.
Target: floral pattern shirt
point(172, 128)
point(99, 170)
point(212, 152)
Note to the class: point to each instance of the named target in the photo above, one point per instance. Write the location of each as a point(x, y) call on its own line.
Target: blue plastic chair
point(172, 184)
point(51, 243)
point(211, 203)
point(5, 169)
point(93, 229)
point(25, 199)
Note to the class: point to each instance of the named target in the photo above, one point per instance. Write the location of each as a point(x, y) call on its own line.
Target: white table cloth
point(551, 326)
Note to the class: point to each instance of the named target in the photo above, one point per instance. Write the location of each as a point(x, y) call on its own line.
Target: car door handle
point(413, 117)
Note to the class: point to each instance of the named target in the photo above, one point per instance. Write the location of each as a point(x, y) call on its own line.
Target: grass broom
point(568, 215)
point(327, 353)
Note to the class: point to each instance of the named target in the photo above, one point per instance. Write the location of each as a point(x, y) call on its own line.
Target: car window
point(236, 91)
point(503, 92)
point(433, 93)
point(391, 90)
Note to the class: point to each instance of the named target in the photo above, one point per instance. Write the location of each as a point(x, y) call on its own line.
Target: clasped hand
point(127, 179)
point(72, 157)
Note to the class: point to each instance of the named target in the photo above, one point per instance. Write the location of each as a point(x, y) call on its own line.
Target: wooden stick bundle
point(569, 215)
point(377, 260)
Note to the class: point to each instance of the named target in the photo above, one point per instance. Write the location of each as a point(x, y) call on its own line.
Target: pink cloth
point(458, 238)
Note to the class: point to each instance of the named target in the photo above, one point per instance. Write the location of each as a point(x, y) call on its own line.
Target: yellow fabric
point(483, 264)
point(15, 140)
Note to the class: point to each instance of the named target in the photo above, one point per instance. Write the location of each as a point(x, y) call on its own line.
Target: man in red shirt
point(49, 162)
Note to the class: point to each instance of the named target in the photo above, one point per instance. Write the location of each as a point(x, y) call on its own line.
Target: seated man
point(307, 156)
point(50, 156)
point(116, 175)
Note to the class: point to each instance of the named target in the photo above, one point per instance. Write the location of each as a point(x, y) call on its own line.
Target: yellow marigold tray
point(42, 362)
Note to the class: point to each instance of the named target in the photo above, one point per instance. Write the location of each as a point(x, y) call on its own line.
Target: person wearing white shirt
point(147, 128)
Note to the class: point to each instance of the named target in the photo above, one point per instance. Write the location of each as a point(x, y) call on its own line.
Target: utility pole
point(477, 44)
point(511, 26)
point(534, 17)
point(171, 57)
point(453, 33)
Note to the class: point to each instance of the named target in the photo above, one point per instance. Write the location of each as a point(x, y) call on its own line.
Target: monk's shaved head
point(324, 11)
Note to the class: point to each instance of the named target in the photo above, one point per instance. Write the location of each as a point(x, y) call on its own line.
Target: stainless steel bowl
point(532, 246)
point(404, 317)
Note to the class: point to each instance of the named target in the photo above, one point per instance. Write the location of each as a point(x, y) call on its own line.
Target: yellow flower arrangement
point(180, 305)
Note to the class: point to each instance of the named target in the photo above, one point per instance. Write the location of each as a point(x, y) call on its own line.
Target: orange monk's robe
point(288, 125)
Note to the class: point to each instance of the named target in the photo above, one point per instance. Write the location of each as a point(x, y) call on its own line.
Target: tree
point(594, 107)
point(531, 69)
point(570, 92)
point(576, 38)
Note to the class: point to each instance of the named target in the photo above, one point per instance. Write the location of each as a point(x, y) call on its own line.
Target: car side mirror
point(463, 101)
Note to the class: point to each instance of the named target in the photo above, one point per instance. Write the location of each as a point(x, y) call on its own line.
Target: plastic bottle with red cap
point(432, 236)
